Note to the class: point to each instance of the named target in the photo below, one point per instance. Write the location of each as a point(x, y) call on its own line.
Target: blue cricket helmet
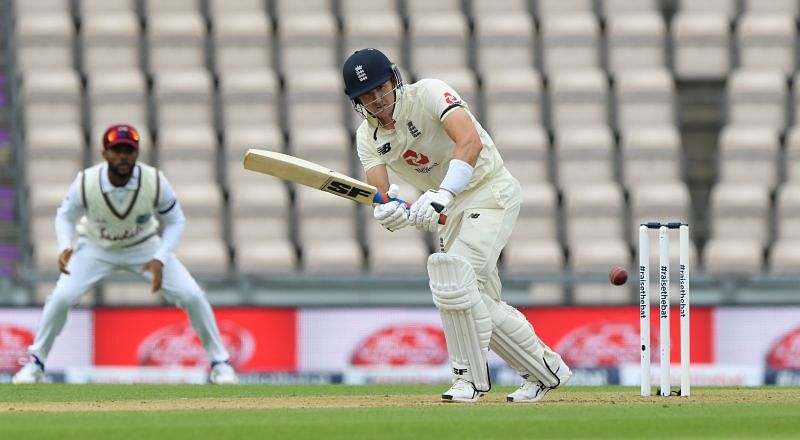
point(365, 70)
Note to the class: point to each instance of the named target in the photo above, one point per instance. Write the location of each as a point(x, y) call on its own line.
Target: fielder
point(426, 134)
point(115, 205)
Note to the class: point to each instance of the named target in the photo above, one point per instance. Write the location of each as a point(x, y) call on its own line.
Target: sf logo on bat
point(347, 190)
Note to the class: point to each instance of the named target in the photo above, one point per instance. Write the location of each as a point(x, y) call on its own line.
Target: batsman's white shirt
point(95, 257)
point(419, 150)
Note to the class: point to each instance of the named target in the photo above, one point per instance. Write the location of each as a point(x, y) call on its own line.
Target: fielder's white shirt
point(418, 148)
point(168, 208)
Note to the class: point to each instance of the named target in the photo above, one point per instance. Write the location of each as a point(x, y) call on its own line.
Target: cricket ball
point(618, 276)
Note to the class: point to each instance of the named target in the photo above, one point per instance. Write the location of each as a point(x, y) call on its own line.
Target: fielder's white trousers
point(90, 263)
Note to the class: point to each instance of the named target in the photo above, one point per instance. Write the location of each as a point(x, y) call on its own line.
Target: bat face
point(307, 173)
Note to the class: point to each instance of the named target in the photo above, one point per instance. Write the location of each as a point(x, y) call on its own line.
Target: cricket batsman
point(426, 134)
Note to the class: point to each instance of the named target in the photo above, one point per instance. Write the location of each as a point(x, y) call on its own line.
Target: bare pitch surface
point(387, 412)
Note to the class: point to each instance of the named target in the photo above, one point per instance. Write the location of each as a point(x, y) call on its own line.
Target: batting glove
point(423, 215)
point(392, 215)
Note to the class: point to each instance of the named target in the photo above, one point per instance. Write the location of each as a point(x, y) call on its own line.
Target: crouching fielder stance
point(426, 135)
point(117, 202)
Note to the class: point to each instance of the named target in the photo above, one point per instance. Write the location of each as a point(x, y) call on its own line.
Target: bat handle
point(381, 197)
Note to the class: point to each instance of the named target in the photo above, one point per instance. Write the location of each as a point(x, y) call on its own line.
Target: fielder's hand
point(392, 215)
point(423, 215)
point(155, 267)
point(63, 259)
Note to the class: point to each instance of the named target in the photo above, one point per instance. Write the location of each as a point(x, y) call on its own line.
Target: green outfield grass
point(148, 412)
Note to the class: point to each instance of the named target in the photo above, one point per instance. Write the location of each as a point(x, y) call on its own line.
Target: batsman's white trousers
point(479, 224)
point(90, 263)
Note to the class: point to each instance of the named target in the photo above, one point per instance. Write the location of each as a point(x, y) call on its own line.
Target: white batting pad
point(465, 318)
point(516, 343)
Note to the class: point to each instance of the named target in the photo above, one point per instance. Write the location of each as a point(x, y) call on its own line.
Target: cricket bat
point(307, 173)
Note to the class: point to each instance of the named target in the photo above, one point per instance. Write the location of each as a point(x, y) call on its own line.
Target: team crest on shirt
point(421, 163)
point(144, 218)
point(415, 159)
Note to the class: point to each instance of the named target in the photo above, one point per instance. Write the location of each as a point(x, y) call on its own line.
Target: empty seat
point(757, 97)
point(438, 41)
point(176, 41)
point(33, 7)
point(791, 160)
point(767, 41)
point(666, 201)
point(784, 257)
point(54, 153)
point(117, 96)
point(526, 152)
point(402, 252)
point(645, 97)
point(547, 8)
point(483, 8)
point(728, 8)
point(570, 41)
point(183, 97)
point(158, 7)
point(286, 8)
point(355, 7)
point(733, 256)
point(314, 94)
point(578, 98)
point(636, 40)
point(789, 8)
point(51, 96)
point(188, 152)
point(110, 40)
point(379, 29)
point(262, 245)
point(651, 154)
point(308, 40)
point(592, 211)
point(584, 154)
point(787, 212)
point(505, 40)
point(325, 143)
point(593, 258)
point(611, 8)
point(44, 40)
point(238, 139)
point(327, 233)
point(740, 211)
point(748, 154)
point(242, 41)
point(513, 98)
point(701, 43)
point(249, 97)
point(105, 6)
point(219, 7)
point(422, 7)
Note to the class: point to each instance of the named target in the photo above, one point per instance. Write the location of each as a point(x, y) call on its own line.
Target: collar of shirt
point(106, 186)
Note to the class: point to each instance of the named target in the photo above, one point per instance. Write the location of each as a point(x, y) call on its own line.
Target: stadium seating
point(580, 96)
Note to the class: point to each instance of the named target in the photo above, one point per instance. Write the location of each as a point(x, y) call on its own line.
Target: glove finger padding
point(428, 220)
point(392, 215)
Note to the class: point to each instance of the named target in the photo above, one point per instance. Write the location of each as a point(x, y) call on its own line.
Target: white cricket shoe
point(32, 371)
point(462, 391)
point(534, 391)
point(222, 374)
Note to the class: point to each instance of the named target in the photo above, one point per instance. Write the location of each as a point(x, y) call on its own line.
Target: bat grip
point(381, 197)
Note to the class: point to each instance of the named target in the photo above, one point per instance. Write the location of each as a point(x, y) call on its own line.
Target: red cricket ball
point(618, 276)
